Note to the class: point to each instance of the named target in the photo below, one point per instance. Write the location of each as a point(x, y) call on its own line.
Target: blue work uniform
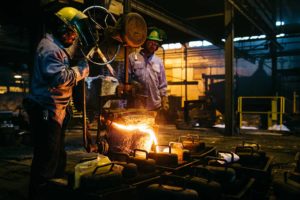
point(51, 90)
point(150, 72)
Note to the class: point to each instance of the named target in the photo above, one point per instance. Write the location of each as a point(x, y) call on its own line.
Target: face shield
point(82, 28)
point(79, 23)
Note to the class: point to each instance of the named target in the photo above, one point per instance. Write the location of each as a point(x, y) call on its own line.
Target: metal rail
point(295, 104)
point(273, 112)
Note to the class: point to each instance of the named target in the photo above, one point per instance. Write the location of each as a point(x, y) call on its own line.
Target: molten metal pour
point(129, 131)
point(132, 129)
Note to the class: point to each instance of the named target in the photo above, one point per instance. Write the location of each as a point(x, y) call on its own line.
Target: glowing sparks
point(145, 128)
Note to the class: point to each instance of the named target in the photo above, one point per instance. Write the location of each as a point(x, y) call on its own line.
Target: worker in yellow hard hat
point(69, 19)
point(52, 82)
point(147, 69)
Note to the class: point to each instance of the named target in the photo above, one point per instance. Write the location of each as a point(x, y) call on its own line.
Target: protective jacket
point(150, 73)
point(53, 78)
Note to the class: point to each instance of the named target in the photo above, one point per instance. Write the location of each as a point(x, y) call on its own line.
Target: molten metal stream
point(141, 127)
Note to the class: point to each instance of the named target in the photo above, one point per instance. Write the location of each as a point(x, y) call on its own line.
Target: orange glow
point(177, 148)
point(145, 128)
point(178, 152)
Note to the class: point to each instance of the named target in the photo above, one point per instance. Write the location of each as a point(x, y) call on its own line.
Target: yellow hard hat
point(70, 15)
point(78, 22)
point(154, 35)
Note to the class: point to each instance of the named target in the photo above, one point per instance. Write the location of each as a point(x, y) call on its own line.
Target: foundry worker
point(50, 92)
point(146, 70)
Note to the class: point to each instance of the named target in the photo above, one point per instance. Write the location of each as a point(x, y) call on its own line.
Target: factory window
point(197, 75)
point(15, 89)
point(203, 43)
point(279, 23)
point(3, 89)
point(172, 46)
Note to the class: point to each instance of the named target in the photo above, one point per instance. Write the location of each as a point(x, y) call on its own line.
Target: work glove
point(120, 89)
point(165, 103)
point(82, 70)
point(103, 145)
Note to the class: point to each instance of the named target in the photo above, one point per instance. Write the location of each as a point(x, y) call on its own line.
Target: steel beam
point(205, 16)
point(264, 26)
point(172, 22)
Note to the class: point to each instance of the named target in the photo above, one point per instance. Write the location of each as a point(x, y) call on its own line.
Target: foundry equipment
point(199, 113)
point(136, 163)
point(288, 186)
point(129, 30)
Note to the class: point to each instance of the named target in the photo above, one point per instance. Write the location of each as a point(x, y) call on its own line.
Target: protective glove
point(103, 145)
point(82, 70)
point(120, 89)
point(165, 103)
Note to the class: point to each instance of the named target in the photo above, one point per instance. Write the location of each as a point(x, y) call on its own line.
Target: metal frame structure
point(274, 100)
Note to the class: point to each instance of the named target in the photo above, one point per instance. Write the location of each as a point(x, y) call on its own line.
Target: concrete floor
point(15, 159)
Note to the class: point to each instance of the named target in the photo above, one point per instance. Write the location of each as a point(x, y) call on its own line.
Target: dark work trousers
point(49, 156)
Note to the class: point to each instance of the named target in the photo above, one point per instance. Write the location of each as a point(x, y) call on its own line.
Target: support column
point(186, 73)
point(229, 72)
point(273, 52)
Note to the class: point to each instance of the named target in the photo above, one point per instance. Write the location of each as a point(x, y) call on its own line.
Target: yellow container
point(88, 167)
point(177, 148)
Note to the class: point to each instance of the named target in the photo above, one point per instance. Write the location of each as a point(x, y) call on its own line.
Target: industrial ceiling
point(194, 20)
point(253, 21)
point(183, 21)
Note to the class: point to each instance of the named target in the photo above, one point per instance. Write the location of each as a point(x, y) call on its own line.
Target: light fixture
point(17, 76)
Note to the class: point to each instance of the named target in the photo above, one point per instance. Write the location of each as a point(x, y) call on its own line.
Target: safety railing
point(276, 107)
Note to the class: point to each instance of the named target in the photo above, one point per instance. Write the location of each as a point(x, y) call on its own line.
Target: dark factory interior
point(231, 128)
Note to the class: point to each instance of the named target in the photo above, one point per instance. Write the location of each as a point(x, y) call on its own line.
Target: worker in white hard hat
point(52, 81)
point(147, 70)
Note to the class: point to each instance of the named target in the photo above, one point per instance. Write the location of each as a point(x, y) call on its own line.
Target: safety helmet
point(78, 22)
point(154, 35)
point(70, 15)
